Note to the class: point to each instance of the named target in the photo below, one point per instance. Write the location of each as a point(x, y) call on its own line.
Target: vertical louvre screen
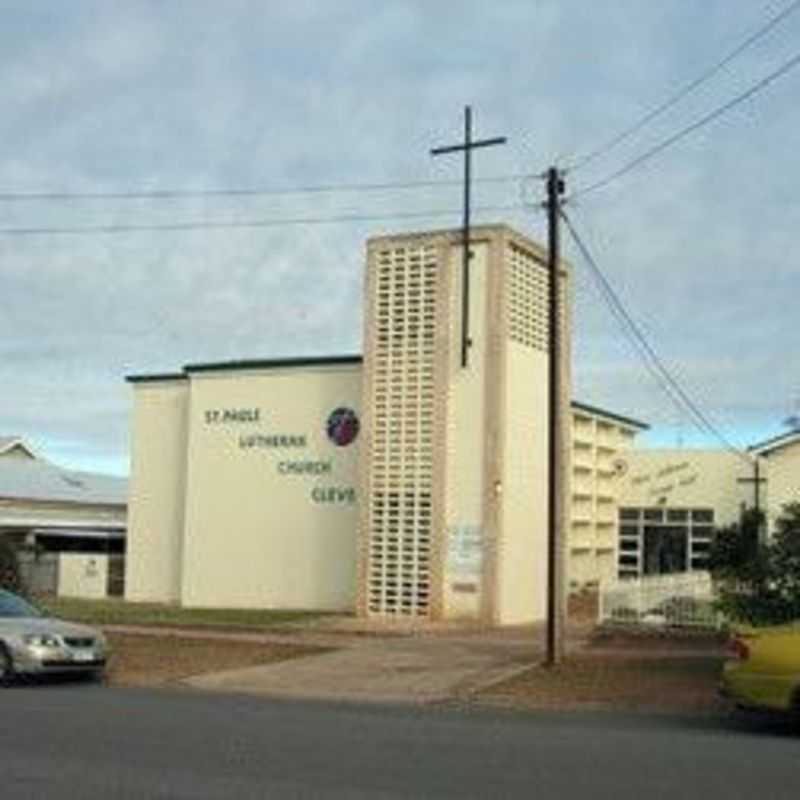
point(527, 300)
point(400, 513)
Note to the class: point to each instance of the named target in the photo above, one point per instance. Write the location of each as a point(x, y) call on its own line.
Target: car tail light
point(737, 648)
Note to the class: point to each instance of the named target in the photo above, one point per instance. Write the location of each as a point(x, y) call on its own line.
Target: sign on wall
point(465, 558)
point(292, 454)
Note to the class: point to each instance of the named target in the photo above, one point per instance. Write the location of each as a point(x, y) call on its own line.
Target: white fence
point(684, 599)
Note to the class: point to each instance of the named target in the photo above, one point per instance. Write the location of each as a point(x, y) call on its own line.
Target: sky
point(133, 97)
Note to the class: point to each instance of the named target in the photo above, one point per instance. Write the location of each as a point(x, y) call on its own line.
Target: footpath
point(349, 660)
point(366, 664)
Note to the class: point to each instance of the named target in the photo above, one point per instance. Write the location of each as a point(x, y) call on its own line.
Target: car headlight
point(41, 640)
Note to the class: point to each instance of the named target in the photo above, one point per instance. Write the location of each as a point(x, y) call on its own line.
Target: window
point(656, 540)
point(677, 515)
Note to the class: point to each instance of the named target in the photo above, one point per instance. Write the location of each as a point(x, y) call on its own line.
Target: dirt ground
point(140, 660)
point(656, 678)
point(611, 669)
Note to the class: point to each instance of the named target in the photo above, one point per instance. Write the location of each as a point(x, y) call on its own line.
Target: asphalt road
point(87, 742)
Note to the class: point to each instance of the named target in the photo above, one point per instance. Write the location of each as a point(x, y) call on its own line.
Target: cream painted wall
point(598, 443)
point(258, 534)
point(465, 437)
point(522, 573)
point(83, 575)
point(783, 474)
point(687, 479)
point(156, 491)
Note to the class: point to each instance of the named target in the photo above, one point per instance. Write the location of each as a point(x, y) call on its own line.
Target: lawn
point(119, 612)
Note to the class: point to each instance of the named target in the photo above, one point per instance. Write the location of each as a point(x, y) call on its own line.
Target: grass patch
point(120, 612)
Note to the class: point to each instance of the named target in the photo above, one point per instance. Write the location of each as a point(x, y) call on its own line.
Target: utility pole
point(467, 147)
point(556, 429)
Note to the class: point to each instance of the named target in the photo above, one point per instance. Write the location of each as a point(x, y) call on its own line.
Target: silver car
point(34, 644)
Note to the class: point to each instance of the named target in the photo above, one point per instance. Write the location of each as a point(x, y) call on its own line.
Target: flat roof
point(155, 377)
point(277, 363)
point(326, 361)
point(253, 363)
point(600, 412)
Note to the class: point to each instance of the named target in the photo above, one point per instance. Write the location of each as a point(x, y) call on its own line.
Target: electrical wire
point(263, 223)
point(651, 359)
point(710, 117)
point(685, 90)
point(176, 194)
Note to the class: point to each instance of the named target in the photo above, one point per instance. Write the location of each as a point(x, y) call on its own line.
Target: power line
point(651, 359)
point(259, 223)
point(668, 142)
point(685, 90)
point(176, 194)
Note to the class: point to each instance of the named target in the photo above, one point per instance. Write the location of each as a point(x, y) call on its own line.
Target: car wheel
point(6, 667)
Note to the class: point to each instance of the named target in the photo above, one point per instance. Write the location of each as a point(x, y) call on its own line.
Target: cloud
point(102, 96)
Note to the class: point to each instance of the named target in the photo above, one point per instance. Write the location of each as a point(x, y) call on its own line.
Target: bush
point(759, 583)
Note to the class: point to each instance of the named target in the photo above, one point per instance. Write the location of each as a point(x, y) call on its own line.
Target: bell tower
point(454, 475)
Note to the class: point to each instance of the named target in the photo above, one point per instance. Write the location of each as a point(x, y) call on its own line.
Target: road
point(87, 742)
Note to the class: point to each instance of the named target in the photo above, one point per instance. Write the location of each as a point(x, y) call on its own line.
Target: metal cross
point(467, 147)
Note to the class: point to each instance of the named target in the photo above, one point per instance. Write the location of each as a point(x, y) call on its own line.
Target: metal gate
point(39, 572)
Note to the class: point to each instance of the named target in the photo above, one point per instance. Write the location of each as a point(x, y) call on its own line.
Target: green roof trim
point(775, 443)
point(276, 363)
point(629, 421)
point(156, 377)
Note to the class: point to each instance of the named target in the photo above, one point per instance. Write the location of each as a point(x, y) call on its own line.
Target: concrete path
point(420, 667)
point(407, 671)
point(382, 665)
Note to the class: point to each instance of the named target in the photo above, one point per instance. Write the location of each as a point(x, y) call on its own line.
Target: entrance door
point(665, 549)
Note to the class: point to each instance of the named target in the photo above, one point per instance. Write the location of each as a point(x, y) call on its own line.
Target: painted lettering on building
point(274, 440)
point(214, 416)
point(674, 479)
point(672, 468)
point(333, 495)
point(341, 428)
point(305, 467)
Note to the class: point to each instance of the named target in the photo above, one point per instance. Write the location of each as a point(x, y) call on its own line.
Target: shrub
point(759, 583)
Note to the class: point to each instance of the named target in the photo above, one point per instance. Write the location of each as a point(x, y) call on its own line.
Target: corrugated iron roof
point(37, 479)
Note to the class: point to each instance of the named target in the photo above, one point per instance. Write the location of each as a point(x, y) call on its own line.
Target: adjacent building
point(670, 501)
point(50, 512)
point(782, 458)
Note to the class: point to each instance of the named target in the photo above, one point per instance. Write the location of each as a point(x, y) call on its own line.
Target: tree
point(759, 583)
point(10, 577)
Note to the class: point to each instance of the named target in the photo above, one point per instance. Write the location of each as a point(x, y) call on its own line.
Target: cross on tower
point(467, 147)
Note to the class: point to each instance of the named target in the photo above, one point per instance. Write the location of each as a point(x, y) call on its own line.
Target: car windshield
point(13, 606)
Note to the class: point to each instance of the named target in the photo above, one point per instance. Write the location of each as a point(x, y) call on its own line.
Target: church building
point(408, 482)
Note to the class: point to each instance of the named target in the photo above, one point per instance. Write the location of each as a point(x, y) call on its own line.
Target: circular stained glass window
point(342, 426)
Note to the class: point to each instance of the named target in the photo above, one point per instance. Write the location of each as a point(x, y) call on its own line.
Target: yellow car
point(763, 670)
